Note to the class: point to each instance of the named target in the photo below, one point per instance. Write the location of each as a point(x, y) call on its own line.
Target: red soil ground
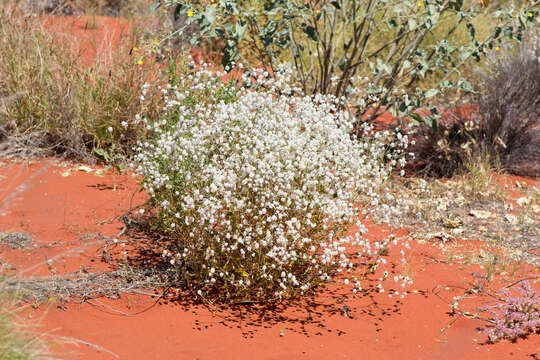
point(91, 37)
point(59, 204)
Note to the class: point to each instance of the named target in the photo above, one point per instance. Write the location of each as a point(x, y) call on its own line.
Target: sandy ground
point(60, 205)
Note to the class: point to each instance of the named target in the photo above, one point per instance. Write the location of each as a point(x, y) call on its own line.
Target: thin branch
point(520, 280)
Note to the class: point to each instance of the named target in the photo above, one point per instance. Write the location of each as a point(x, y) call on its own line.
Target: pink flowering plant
point(516, 315)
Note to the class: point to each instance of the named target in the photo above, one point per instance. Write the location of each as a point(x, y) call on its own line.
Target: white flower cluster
point(258, 188)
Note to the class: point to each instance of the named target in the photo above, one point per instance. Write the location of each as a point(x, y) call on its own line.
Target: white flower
point(265, 179)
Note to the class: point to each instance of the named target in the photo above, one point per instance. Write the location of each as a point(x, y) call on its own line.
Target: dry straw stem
point(22, 187)
point(129, 276)
point(84, 287)
point(18, 341)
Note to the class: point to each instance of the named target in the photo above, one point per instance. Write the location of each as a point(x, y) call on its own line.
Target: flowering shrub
point(257, 187)
point(515, 316)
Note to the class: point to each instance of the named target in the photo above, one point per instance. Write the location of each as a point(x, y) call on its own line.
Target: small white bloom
point(257, 172)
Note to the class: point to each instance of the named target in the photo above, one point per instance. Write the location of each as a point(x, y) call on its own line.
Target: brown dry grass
point(472, 206)
point(50, 103)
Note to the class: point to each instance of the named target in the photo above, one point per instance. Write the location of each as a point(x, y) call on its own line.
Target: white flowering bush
point(257, 188)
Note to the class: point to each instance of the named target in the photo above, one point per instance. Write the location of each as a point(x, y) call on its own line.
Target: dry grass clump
point(502, 128)
point(44, 90)
point(16, 342)
point(120, 8)
point(471, 206)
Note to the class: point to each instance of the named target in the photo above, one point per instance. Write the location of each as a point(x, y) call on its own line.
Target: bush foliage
point(502, 127)
point(389, 54)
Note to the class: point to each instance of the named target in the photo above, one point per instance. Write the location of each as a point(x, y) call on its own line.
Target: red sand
point(90, 36)
point(95, 36)
point(57, 209)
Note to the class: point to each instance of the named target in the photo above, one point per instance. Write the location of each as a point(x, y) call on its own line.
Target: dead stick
point(520, 280)
point(449, 325)
point(108, 221)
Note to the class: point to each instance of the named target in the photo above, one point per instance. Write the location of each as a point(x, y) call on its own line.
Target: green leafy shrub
point(502, 127)
point(256, 187)
point(382, 55)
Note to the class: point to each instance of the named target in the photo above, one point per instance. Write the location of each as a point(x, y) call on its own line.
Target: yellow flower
point(135, 48)
point(139, 62)
point(530, 14)
point(165, 11)
point(156, 43)
point(318, 11)
point(497, 48)
point(190, 13)
point(420, 3)
point(154, 51)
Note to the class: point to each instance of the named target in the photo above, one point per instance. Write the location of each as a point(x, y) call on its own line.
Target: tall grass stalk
point(46, 89)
